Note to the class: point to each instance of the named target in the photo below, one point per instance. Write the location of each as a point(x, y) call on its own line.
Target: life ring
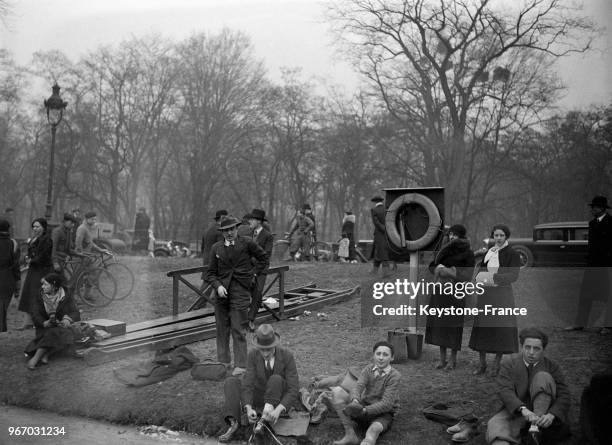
point(435, 221)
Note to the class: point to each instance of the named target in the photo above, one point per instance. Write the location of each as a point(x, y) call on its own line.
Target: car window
point(549, 235)
point(581, 234)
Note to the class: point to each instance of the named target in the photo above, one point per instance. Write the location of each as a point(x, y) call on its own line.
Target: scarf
point(492, 257)
point(51, 301)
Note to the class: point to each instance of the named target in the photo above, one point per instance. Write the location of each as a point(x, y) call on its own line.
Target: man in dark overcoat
point(380, 250)
point(270, 384)
point(234, 265)
point(597, 280)
point(212, 236)
point(265, 240)
point(534, 396)
point(141, 229)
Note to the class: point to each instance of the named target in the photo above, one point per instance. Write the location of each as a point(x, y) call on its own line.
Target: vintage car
point(553, 244)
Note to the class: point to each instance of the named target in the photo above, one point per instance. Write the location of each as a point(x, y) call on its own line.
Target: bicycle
point(95, 286)
point(122, 274)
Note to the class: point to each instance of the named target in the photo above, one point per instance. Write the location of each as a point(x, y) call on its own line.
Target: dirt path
point(79, 431)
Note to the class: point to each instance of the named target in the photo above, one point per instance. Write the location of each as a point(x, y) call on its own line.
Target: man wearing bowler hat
point(380, 250)
point(265, 240)
point(270, 384)
point(234, 264)
point(596, 283)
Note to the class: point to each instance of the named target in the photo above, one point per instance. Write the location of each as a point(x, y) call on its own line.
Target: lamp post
point(55, 110)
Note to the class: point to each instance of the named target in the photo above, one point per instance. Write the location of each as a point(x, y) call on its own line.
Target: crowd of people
point(45, 298)
point(263, 382)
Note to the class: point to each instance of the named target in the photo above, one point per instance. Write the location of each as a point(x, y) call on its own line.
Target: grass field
point(321, 347)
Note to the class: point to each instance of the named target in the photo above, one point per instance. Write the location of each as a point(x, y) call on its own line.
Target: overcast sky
point(289, 33)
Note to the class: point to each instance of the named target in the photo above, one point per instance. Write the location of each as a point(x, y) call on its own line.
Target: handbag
point(208, 370)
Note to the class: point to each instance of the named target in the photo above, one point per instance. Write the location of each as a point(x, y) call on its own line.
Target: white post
point(413, 277)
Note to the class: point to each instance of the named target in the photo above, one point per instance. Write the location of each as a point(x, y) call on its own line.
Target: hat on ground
point(90, 215)
point(600, 201)
point(377, 198)
point(265, 337)
point(257, 214)
point(69, 217)
point(227, 222)
point(459, 230)
point(219, 214)
point(306, 207)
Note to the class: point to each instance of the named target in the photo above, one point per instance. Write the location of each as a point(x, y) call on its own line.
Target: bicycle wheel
point(123, 277)
point(96, 287)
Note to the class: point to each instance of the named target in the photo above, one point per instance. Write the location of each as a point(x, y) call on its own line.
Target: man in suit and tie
point(234, 264)
point(265, 240)
point(534, 396)
point(597, 280)
point(269, 386)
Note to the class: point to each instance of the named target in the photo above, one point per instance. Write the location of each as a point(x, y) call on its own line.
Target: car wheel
point(525, 255)
point(161, 253)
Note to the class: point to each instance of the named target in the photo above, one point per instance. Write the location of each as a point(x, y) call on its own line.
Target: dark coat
point(53, 338)
point(9, 267)
point(380, 250)
point(447, 331)
point(213, 235)
point(514, 389)
point(265, 240)
point(254, 380)
point(600, 242)
point(498, 334)
point(238, 262)
point(39, 252)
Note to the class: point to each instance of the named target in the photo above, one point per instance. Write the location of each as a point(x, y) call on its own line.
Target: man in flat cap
point(62, 241)
point(212, 236)
point(380, 250)
point(85, 235)
point(300, 235)
point(234, 266)
point(597, 280)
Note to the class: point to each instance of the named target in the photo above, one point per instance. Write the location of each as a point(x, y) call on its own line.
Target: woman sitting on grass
point(53, 312)
point(373, 401)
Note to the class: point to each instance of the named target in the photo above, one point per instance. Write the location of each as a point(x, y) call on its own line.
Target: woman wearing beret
point(453, 264)
point(496, 334)
point(39, 261)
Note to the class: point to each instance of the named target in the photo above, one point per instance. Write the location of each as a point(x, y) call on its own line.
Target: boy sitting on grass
point(374, 400)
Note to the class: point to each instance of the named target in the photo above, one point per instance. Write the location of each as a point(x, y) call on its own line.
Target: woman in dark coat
point(455, 264)
point(40, 264)
point(53, 313)
point(10, 276)
point(496, 334)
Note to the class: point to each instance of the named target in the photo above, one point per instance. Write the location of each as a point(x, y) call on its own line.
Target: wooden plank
point(94, 356)
point(184, 316)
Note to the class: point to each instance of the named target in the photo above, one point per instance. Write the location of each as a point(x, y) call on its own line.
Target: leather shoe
point(457, 428)
point(227, 436)
point(465, 434)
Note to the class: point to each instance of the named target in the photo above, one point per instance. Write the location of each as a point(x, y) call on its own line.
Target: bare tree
point(427, 60)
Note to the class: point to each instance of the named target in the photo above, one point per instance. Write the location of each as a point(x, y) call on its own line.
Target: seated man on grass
point(534, 396)
point(269, 385)
point(372, 402)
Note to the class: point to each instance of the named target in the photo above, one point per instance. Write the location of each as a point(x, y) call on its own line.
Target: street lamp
point(55, 110)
